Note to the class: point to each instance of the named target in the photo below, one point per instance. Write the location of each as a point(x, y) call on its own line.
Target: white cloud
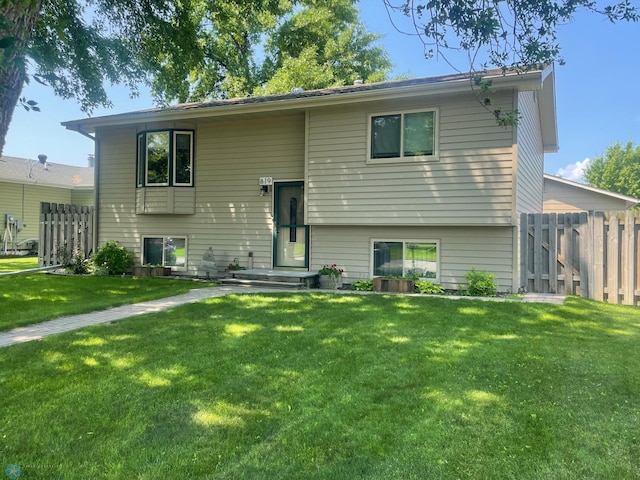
point(574, 171)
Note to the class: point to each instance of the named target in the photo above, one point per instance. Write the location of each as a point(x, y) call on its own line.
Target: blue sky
point(597, 95)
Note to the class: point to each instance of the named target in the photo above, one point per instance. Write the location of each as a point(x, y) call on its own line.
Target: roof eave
point(525, 81)
point(547, 106)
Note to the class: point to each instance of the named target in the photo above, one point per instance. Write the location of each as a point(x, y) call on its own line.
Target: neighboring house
point(383, 178)
point(24, 183)
point(564, 196)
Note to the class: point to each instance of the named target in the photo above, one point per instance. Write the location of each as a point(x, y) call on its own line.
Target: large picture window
point(409, 136)
point(165, 251)
point(165, 158)
point(404, 258)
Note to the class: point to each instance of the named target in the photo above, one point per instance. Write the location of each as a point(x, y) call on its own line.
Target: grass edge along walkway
point(73, 322)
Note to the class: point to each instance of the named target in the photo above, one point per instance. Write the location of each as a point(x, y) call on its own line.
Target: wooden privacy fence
point(595, 255)
point(64, 228)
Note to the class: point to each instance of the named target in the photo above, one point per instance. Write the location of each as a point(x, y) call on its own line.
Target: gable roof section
point(32, 172)
point(538, 80)
point(589, 188)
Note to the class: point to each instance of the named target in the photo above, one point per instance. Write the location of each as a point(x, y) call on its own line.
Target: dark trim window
point(165, 158)
point(406, 136)
point(404, 258)
point(165, 251)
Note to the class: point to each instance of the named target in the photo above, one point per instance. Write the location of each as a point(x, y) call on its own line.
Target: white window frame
point(164, 237)
point(143, 180)
point(405, 159)
point(404, 242)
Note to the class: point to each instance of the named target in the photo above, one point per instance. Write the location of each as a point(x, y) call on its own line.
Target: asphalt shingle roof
point(27, 171)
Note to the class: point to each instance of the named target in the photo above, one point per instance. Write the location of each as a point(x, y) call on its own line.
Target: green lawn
point(320, 386)
point(33, 298)
point(15, 264)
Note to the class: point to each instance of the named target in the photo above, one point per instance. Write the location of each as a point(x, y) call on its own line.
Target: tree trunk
point(20, 18)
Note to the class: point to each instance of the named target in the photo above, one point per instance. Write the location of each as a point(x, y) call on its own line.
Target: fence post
point(628, 264)
point(584, 251)
point(537, 247)
point(597, 271)
point(553, 253)
point(524, 252)
point(613, 259)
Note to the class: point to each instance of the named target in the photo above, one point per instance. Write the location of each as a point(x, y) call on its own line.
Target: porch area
point(272, 278)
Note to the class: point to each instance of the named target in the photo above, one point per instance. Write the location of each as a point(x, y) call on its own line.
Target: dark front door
point(291, 235)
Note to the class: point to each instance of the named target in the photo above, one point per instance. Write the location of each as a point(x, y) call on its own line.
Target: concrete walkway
point(74, 322)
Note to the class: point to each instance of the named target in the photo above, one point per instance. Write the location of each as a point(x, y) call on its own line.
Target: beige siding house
point(564, 196)
point(24, 183)
point(388, 178)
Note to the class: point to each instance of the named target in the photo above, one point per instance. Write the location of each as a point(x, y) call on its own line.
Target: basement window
point(406, 258)
point(165, 251)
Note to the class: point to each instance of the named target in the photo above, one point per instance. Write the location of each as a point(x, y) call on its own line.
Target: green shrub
point(481, 283)
point(425, 286)
point(363, 285)
point(74, 261)
point(113, 257)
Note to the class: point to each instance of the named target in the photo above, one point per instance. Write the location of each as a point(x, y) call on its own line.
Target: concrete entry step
point(262, 283)
point(288, 278)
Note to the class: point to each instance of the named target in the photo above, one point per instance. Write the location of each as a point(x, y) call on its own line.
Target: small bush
point(481, 283)
point(363, 285)
point(113, 258)
point(425, 286)
point(73, 262)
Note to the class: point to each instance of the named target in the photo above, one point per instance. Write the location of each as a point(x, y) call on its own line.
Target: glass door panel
point(291, 235)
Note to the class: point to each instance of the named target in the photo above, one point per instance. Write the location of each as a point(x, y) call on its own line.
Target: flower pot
point(330, 282)
point(147, 271)
point(396, 285)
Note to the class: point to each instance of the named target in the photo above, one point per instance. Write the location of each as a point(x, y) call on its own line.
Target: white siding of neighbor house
point(563, 198)
point(470, 183)
point(530, 163)
point(461, 249)
point(23, 202)
point(230, 215)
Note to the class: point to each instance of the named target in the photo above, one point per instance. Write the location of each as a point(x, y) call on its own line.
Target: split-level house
point(401, 177)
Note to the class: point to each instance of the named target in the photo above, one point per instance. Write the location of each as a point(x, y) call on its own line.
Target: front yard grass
point(33, 298)
point(318, 386)
point(15, 264)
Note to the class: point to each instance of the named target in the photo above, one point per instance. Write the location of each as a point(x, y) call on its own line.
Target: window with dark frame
point(164, 251)
point(400, 258)
point(403, 135)
point(165, 158)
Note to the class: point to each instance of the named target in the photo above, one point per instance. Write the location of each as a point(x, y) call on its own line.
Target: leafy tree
point(617, 170)
point(507, 34)
point(516, 35)
point(51, 42)
point(186, 50)
point(321, 45)
point(255, 48)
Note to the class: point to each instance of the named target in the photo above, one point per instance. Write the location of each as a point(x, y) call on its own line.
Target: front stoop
point(272, 278)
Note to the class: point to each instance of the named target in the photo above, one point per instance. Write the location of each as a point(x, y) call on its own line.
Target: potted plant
point(235, 265)
point(151, 271)
point(330, 276)
point(394, 284)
